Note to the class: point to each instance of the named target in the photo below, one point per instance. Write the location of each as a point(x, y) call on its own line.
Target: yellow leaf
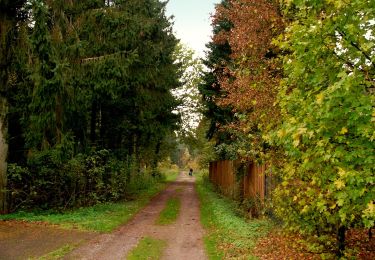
point(342, 172)
point(339, 184)
point(302, 130)
point(281, 133)
point(344, 130)
point(333, 206)
point(371, 208)
point(296, 139)
point(320, 98)
point(287, 2)
point(305, 209)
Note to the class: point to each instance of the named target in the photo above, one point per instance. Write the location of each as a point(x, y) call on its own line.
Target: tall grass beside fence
point(229, 235)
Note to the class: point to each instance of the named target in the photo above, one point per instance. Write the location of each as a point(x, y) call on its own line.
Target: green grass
point(57, 254)
point(170, 213)
point(170, 174)
point(148, 248)
point(228, 234)
point(103, 217)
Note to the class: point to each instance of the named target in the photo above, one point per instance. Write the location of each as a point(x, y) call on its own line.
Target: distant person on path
point(191, 172)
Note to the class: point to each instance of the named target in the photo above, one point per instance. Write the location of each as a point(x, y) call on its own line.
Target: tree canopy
point(327, 131)
point(88, 76)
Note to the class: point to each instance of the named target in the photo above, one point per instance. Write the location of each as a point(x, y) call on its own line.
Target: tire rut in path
point(184, 237)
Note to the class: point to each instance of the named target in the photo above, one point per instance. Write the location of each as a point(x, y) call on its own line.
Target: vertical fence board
point(253, 184)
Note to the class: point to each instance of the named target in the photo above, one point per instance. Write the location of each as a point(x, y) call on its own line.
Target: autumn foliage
point(251, 77)
point(254, 73)
point(300, 82)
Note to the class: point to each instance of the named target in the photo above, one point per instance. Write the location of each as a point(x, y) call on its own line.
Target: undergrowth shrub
point(47, 182)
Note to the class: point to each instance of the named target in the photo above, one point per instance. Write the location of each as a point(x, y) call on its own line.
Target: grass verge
point(57, 254)
point(170, 213)
point(170, 174)
point(148, 248)
point(103, 217)
point(228, 234)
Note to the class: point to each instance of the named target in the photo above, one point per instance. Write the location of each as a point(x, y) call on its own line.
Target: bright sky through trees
point(192, 22)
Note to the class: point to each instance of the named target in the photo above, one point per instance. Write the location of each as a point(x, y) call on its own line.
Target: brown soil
point(184, 238)
point(22, 240)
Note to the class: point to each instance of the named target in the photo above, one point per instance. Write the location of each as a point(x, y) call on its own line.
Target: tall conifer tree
point(218, 56)
point(10, 14)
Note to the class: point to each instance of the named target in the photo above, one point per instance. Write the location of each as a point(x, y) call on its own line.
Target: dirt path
point(23, 240)
point(184, 237)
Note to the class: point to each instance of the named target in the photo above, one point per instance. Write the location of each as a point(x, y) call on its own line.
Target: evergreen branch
point(91, 59)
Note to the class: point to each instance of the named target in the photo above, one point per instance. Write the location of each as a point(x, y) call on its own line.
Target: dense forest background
point(86, 98)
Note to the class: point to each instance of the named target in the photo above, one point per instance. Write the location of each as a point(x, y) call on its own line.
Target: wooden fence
point(244, 180)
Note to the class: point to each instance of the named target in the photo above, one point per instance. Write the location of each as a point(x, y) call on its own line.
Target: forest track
point(184, 237)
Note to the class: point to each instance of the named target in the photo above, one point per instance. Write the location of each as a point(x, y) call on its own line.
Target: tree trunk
point(102, 128)
point(341, 241)
point(134, 144)
point(156, 156)
point(59, 119)
point(5, 28)
point(94, 112)
point(3, 154)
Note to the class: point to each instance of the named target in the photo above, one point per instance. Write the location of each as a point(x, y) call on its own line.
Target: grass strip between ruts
point(57, 254)
point(170, 213)
point(148, 248)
